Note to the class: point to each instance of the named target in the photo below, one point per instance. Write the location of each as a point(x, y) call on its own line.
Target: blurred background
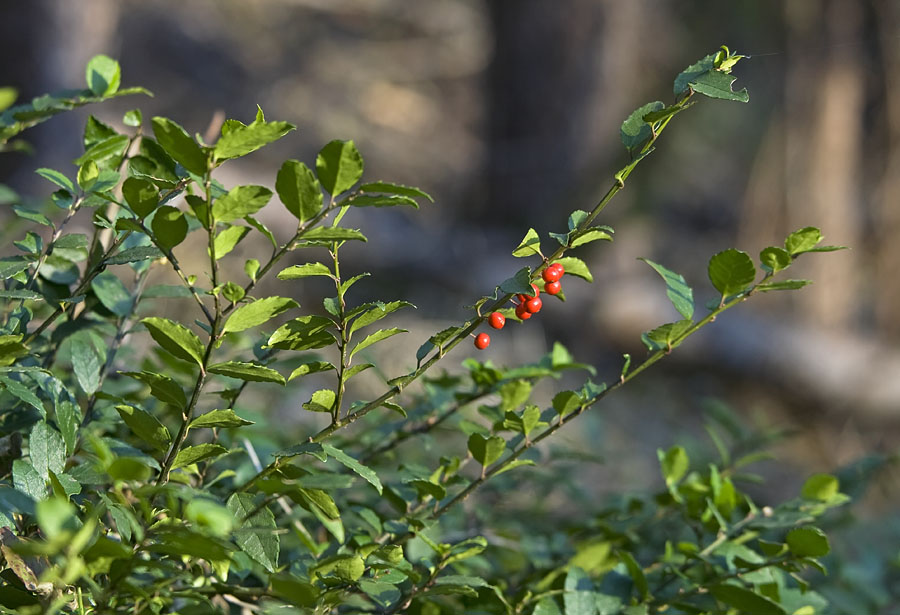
point(508, 112)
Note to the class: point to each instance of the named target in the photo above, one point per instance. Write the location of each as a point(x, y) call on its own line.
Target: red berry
point(497, 320)
point(482, 341)
point(534, 305)
point(551, 274)
point(522, 297)
point(552, 288)
point(558, 267)
point(522, 312)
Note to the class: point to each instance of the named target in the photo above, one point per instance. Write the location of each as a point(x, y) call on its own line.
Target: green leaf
point(57, 178)
point(665, 337)
point(692, 72)
point(295, 592)
point(565, 402)
point(299, 190)
point(162, 387)
point(47, 450)
point(303, 333)
point(246, 371)
point(383, 594)
point(518, 463)
point(169, 227)
point(355, 466)
point(381, 334)
point(529, 246)
point(112, 293)
point(783, 285)
point(339, 165)
point(730, 272)
point(194, 454)
point(548, 606)
point(636, 573)
point(14, 387)
point(27, 480)
point(257, 313)
point(680, 294)
point(346, 567)
point(86, 365)
point(389, 188)
point(575, 266)
point(228, 239)
point(380, 200)
point(175, 338)
point(775, 259)
point(311, 367)
point(101, 153)
point(103, 75)
point(803, 240)
point(635, 130)
point(321, 401)
point(239, 202)
point(808, 542)
point(179, 145)
point(820, 487)
point(746, 601)
point(219, 418)
point(145, 426)
point(486, 450)
point(141, 194)
point(588, 235)
point(88, 173)
point(134, 118)
point(241, 140)
point(21, 293)
point(134, 255)
point(579, 596)
point(304, 271)
point(717, 84)
point(377, 313)
point(333, 233)
point(674, 464)
point(258, 534)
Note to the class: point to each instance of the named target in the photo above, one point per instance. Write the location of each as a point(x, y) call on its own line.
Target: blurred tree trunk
point(544, 88)
point(887, 199)
point(823, 132)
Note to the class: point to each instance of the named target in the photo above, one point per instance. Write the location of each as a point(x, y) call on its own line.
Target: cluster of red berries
point(527, 305)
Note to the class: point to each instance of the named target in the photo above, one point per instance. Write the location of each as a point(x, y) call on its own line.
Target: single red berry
point(534, 305)
point(551, 274)
point(497, 320)
point(552, 288)
point(482, 341)
point(558, 267)
point(522, 297)
point(522, 312)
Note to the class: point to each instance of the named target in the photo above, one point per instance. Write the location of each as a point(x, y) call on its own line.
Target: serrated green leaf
point(179, 145)
point(311, 367)
point(353, 465)
point(58, 178)
point(134, 255)
point(219, 418)
point(170, 227)
point(103, 75)
point(377, 313)
point(257, 313)
point(241, 140)
point(226, 240)
point(802, 240)
point(86, 365)
point(27, 480)
point(304, 333)
point(577, 267)
point(587, 236)
point(731, 271)
point(693, 72)
point(21, 293)
point(240, 201)
point(579, 596)
point(717, 84)
point(486, 450)
point(519, 283)
point(680, 294)
point(518, 463)
point(333, 233)
point(111, 148)
point(529, 246)
point(775, 259)
point(339, 165)
point(783, 285)
point(175, 338)
point(565, 402)
point(381, 334)
point(87, 176)
point(162, 387)
point(16, 388)
point(380, 200)
point(246, 371)
point(145, 426)
point(195, 454)
point(304, 271)
point(258, 534)
point(635, 130)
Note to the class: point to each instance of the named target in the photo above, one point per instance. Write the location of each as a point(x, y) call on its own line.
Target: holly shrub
point(133, 481)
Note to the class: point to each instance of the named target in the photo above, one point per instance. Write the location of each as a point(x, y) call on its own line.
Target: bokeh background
point(508, 112)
